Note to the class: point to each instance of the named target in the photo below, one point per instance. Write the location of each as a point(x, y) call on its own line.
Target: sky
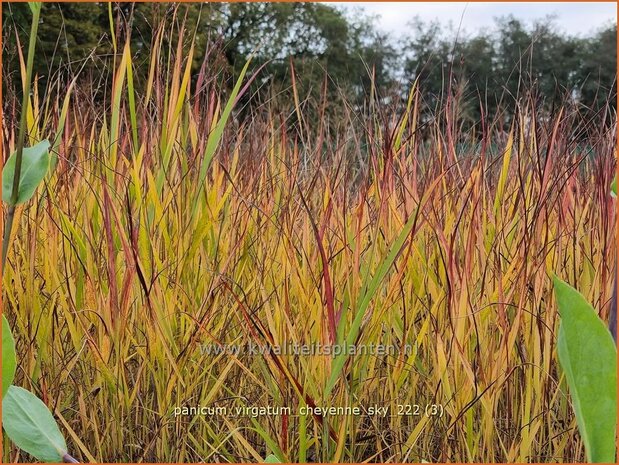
point(573, 18)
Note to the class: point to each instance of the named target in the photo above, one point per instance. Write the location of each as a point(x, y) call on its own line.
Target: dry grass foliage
point(167, 227)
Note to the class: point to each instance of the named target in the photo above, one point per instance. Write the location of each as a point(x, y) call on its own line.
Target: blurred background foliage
point(484, 69)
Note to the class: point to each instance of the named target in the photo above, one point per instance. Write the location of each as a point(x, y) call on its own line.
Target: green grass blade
point(383, 269)
point(215, 136)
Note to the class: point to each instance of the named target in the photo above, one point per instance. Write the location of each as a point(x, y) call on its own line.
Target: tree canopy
point(487, 68)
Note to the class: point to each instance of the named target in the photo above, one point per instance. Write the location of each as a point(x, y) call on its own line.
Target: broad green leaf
point(588, 356)
point(271, 459)
point(613, 187)
point(35, 163)
point(31, 426)
point(8, 356)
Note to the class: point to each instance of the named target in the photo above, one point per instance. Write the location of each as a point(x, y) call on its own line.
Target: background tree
point(487, 69)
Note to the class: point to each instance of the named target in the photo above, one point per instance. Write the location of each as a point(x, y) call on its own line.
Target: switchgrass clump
point(171, 231)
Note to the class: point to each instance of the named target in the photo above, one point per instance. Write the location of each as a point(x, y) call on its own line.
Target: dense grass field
point(171, 226)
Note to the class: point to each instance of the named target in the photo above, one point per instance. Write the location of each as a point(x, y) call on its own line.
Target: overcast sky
point(573, 18)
